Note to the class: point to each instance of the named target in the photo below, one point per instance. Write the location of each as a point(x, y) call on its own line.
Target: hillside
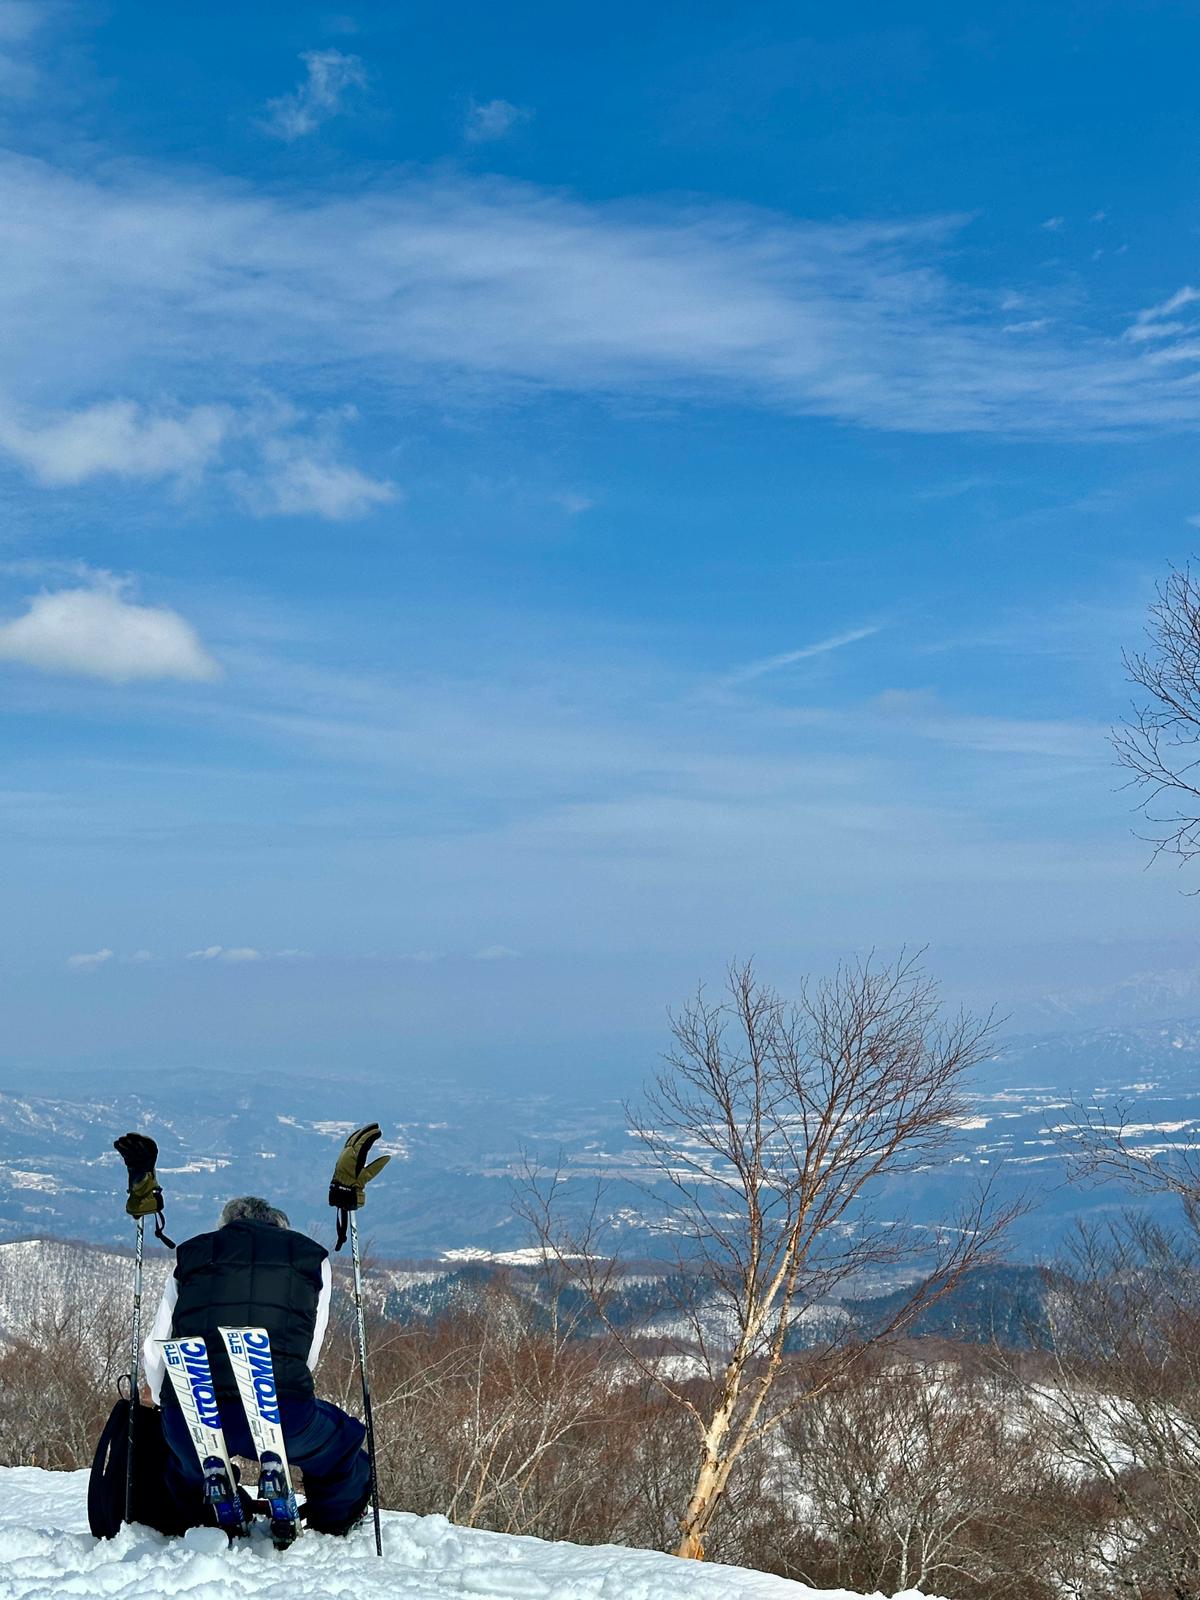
point(46, 1550)
point(457, 1149)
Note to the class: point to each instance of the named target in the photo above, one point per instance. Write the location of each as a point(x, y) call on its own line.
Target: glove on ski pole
point(145, 1199)
point(350, 1176)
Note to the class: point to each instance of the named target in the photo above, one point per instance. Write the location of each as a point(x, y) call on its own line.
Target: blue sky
point(504, 511)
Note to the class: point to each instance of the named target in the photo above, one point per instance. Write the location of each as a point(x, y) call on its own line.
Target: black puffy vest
point(251, 1275)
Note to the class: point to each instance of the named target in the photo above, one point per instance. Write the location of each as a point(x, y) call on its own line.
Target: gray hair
point(249, 1208)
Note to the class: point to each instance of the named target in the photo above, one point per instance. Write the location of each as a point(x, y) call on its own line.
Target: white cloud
point(492, 119)
point(139, 958)
point(496, 952)
point(238, 955)
point(117, 437)
point(90, 961)
point(286, 473)
point(97, 633)
point(1054, 224)
point(329, 75)
point(789, 658)
point(296, 481)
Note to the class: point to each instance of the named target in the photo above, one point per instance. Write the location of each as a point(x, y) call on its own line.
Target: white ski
point(191, 1379)
point(249, 1351)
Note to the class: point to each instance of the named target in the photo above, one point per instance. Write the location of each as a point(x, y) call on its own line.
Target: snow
point(531, 1255)
point(46, 1551)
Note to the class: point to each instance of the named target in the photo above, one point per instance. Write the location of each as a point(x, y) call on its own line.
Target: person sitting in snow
point(254, 1270)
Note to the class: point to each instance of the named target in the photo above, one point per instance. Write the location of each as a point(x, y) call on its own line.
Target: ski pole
point(366, 1382)
point(139, 1153)
point(135, 1352)
point(347, 1192)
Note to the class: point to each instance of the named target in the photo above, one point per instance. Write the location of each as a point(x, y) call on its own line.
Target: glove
point(351, 1175)
point(139, 1155)
point(145, 1198)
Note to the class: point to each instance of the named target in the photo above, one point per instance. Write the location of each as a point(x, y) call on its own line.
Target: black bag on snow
point(106, 1486)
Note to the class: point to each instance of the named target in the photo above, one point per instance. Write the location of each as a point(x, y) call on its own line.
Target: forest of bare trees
point(968, 1470)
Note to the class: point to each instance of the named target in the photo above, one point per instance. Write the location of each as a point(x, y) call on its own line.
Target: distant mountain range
point(458, 1151)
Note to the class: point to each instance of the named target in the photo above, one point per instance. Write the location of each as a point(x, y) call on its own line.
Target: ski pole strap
point(160, 1231)
point(337, 1193)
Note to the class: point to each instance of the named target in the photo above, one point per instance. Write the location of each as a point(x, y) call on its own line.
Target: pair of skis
point(249, 1352)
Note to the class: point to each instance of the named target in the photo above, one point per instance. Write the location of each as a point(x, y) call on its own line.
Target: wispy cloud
point(242, 955)
point(90, 961)
point(921, 713)
point(489, 120)
point(574, 504)
point(1155, 321)
point(138, 284)
point(20, 22)
point(496, 952)
point(297, 480)
point(98, 632)
point(329, 76)
point(789, 658)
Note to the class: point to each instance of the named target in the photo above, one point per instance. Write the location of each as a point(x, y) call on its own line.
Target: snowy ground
point(46, 1550)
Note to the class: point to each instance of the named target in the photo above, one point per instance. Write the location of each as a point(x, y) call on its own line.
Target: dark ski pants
point(321, 1440)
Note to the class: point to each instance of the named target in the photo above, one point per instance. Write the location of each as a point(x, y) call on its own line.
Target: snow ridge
point(46, 1551)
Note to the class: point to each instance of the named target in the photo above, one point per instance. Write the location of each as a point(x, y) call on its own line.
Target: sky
point(504, 511)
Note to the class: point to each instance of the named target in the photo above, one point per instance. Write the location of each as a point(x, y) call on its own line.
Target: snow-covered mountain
point(457, 1150)
point(46, 1552)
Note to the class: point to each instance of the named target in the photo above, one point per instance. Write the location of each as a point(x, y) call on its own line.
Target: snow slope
point(46, 1550)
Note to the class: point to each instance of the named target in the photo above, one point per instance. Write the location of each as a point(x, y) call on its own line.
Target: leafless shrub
point(914, 1476)
point(58, 1382)
point(492, 1415)
point(1123, 1394)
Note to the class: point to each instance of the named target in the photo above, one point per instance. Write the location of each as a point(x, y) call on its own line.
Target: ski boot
point(274, 1488)
point(223, 1500)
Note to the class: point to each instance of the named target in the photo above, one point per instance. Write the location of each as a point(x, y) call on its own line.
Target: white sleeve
point(314, 1352)
point(156, 1367)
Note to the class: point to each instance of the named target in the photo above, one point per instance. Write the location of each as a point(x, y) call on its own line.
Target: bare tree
point(1160, 742)
point(1104, 1144)
point(771, 1126)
